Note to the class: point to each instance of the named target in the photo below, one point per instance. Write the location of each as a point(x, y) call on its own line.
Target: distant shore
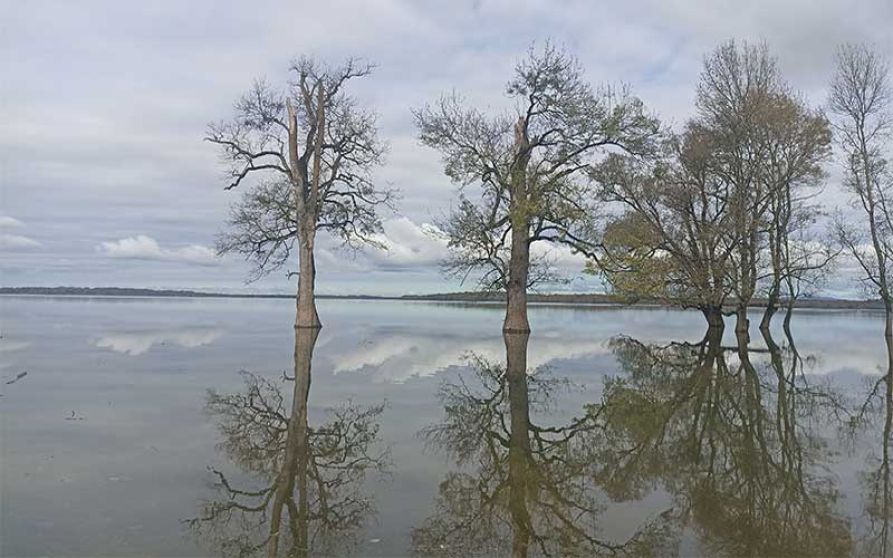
point(461, 297)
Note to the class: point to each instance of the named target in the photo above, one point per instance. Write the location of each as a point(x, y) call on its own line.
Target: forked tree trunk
point(516, 291)
point(519, 439)
point(306, 316)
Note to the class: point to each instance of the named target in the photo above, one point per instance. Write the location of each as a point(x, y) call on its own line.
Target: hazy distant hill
point(468, 296)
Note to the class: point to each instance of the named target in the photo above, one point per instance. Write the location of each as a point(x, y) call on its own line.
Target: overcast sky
point(106, 180)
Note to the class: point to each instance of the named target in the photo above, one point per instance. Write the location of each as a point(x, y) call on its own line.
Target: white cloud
point(15, 242)
point(7, 222)
point(408, 244)
point(142, 247)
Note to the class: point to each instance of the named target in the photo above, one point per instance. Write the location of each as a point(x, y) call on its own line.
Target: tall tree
point(798, 142)
point(736, 94)
point(531, 167)
point(861, 104)
point(314, 149)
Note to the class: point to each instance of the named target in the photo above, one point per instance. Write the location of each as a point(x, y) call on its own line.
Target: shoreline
point(580, 300)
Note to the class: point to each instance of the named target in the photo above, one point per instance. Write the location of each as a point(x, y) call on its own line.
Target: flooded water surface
point(207, 427)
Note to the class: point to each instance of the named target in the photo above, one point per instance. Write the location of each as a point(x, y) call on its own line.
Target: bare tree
point(531, 167)
point(314, 148)
point(861, 103)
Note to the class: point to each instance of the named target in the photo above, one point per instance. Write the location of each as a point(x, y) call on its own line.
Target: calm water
point(172, 428)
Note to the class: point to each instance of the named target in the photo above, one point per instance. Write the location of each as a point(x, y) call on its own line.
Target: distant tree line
point(715, 216)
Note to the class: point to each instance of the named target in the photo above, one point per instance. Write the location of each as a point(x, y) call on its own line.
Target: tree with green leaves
point(530, 166)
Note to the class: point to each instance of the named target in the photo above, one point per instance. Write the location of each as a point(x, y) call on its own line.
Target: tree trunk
point(789, 313)
point(306, 316)
point(713, 314)
point(516, 291)
point(769, 312)
point(742, 323)
point(519, 439)
point(888, 331)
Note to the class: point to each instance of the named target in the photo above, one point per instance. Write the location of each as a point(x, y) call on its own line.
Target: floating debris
point(74, 417)
point(17, 378)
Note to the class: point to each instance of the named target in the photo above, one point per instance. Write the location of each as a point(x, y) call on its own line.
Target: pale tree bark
point(861, 100)
point(314, 150)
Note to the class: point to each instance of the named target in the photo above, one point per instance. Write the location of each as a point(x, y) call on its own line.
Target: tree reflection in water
point(733, 435)
point(875, 480)
point(735, 443)
point(306, 496)
point(522, 488)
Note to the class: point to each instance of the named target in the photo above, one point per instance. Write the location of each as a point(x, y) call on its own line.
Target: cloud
point(142, 247)
point(408, 244)
point(7, 222)
point(125, 142)
point(15, 242)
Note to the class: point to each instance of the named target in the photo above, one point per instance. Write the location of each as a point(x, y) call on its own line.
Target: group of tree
point(712, 216)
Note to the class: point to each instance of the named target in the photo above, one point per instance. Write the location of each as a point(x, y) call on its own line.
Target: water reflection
point(520, 487)
point(137, 343)
point(735, 441)
point(875, 480)
point(301, 488)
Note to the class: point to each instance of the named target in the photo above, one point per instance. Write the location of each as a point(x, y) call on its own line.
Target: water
point(643, 437)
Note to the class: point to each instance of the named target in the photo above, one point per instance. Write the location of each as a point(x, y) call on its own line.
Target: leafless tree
point(530, 165)
point(314, 149)
point(861, 104)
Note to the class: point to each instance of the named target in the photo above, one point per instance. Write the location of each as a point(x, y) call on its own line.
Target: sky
point(105, 179)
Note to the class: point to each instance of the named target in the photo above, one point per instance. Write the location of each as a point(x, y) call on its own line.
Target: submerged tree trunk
point(516, 291)
point(519, 439)
point(742, 323)
point(770, 311)
point(713, 315)
point(306, 316)
point(789, 313)
point(294, 466)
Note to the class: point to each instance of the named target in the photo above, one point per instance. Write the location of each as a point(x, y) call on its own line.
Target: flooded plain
point(207, 427)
